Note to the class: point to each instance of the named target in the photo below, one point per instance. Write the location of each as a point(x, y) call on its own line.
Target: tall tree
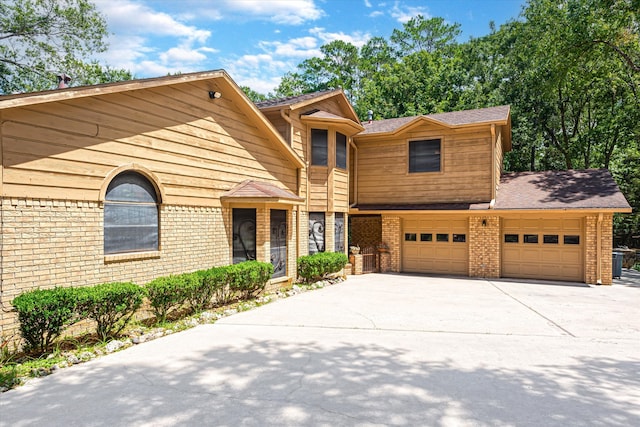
point(41, 38)
point(422, 34)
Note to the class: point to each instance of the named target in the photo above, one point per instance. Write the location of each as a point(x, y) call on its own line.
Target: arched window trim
point(131, 252)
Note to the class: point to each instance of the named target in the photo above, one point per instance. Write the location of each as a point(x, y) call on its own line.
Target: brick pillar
point(329, 232)
point(263, 224)
point(391, 236)
point(606, 249)
point(356, 262)
point(484, 246)
point(591, 249)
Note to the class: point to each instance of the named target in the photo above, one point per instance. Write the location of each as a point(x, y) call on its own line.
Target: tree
point(41, 38)
point(421, 34)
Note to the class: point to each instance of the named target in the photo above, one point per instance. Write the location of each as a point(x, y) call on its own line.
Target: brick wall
point(606, 245)
point(484, 246)
point(366, 230)
point(391, 236)
point(47, 243)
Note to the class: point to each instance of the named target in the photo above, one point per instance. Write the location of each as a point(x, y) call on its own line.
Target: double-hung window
point(319, 147)
point(424, 155)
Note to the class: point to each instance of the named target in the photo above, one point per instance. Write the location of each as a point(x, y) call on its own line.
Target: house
point(444, 205)
point(134, 180)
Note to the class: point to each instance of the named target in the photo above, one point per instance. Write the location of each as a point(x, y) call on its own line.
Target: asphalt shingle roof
point(571, 189)
point(455, 118)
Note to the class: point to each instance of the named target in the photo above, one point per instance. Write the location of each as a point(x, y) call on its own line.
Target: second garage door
point(435, 246)
point(543, 249)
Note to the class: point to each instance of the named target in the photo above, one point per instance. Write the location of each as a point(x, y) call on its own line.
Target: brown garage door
point(435, 246)
point(548, 249)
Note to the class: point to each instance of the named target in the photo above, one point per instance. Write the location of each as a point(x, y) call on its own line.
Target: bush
point(110, 305)
point(318, 266)
point(168, 293)
point(247, 279)
point(216, 280)
point(200, 292)
point(44, 314)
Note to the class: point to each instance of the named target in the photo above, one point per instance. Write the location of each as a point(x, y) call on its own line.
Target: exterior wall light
point(214, 95)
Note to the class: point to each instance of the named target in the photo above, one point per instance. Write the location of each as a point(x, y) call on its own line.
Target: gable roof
point(571, 189)
point(266, 191)
point(498, 115)
point(300, 102)
point(218, 80)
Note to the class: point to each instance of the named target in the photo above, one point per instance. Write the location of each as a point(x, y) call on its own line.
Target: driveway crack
point(531, 309)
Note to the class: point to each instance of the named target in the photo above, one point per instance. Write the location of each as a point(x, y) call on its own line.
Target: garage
point(431, 245)
point(547, 249)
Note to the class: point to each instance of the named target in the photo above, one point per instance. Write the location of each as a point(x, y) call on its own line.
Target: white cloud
point(301, 47)
point(367, 3)
point(287, 12)
point(357, 39)
point(403, 13)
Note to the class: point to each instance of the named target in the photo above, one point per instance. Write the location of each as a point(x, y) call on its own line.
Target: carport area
point(378, 349)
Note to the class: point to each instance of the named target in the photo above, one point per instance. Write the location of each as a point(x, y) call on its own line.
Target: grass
point(16, 368)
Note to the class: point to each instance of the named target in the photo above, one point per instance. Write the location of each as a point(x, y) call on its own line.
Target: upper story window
point(131, 215)
point(424, 155)
point(319, 147)
point(341, 151)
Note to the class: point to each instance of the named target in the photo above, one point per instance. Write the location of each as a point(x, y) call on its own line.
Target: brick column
point(484, 246)
point(356, 262)
point(391, 236)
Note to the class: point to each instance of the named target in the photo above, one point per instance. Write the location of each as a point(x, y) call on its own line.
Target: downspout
point(493, 161)
point(599, 250)
point(355, 171)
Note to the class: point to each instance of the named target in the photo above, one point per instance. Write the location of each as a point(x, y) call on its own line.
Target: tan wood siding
point(197, 149)
point(547, 261)
point(318, 184)
point(465, 176)
point(340, 191)
point(435, 256)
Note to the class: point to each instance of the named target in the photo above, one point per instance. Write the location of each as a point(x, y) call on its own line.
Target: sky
point(258, 41)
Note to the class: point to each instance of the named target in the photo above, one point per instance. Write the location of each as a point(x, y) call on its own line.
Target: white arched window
point(131, 215)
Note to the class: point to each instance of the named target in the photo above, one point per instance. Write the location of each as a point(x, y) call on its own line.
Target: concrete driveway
point(392, 350)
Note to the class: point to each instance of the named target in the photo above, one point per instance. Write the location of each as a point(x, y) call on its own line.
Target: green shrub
point(216, 280)
point(318, 266)
point(200, 292)
point(44, 314)
point(110, 305)
point(247, 279)
point(167, 293)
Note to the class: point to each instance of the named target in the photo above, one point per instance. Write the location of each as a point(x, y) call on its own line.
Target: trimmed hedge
point(169, 293)
point(320, 265)
point(110, 305)
point(44, 314)
point(247, 279)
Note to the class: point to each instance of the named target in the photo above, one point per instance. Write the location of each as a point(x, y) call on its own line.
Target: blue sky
point(258, 41)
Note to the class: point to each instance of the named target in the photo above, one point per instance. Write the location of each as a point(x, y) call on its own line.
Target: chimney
point(63, 81)
point(370, 114)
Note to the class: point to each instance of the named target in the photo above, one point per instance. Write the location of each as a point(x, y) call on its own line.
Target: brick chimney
point(63, 81)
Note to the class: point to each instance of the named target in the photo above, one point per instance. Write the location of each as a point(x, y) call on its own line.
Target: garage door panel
point(437, 257)
point(550, 261)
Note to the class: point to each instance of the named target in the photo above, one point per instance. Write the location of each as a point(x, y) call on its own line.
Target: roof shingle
point(571, 189)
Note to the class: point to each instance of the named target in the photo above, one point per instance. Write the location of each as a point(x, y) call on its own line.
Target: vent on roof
point(63, 81)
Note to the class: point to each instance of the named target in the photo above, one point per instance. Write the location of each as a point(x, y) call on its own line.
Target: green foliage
point(168, 293)
point(318, 266)
point(44, 37)
point(44, 314)
point(200, 290)
point(110, 305)
point(247, 279)
point(217, 278)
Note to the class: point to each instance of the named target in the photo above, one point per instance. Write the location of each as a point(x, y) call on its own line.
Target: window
point(571, 240)
point(244, 235)
point(550, 239)
point(410, 237)
point(341, 151)
point(131, 215)
point(279, 242)
point(460, 238)
point(530, 238)
point(424, 156)
point(339, 232)
point(316, 232)
point(511, 238)
point(442, 237)
point(319, 139)
point(426, 237)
